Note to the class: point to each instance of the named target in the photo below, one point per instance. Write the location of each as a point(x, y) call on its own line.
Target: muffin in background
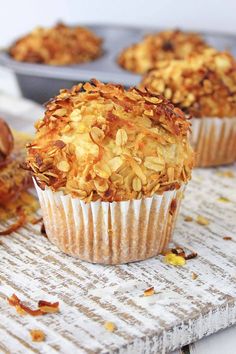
point(13, 179)
point(59, 45)
point(203, 86)
point(166, 45)
point(110, 167)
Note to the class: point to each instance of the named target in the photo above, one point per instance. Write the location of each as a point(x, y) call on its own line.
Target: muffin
point(203, 86)
point(110, 167)
point(13, 180)
point(167, 45)
point(59, 45)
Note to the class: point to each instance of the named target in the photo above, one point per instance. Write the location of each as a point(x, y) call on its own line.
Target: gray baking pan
point(39, 82)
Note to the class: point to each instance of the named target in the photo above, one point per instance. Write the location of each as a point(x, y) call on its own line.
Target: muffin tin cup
point(214, 141)
point(110, 233)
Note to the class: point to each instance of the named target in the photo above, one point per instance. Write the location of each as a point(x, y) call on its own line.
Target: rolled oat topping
point(99, 141)
point(59, 45)
point(167, 45)
point(201, 85)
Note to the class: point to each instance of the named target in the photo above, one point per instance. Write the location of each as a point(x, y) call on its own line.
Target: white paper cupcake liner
point(214, 141)
point(110, 233)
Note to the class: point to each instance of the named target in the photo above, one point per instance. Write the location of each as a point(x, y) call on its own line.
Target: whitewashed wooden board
point(182, 311)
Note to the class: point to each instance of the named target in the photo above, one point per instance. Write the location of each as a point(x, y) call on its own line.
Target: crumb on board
point(149, 291)
point(223, 200)
point(227, 238)
point(201, 220)
point(228, 174)
point(43, 307)
point(37, 335)
point(174, 259)
point(110, 326)
point(188, 218)
point(194, 276)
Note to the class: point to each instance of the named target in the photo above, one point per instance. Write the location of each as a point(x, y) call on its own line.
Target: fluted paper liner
point(214, 141)
point(110, 233)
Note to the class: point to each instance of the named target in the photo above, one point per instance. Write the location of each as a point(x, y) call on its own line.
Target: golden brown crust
point(13, 179)
point(59, 45)
point(202, 85)
point(167, 45)
point(99, 141)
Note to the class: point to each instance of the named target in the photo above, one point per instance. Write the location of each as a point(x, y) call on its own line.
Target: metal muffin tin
point(39, 82)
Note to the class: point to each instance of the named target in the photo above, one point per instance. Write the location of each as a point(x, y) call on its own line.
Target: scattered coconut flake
point(175, 260)
point(194, 275)
point(149, 291)
point(201, 220)
point(188, 218)
point(227, 238)
point(37, 335)
point(110, 326)
point(223, 200)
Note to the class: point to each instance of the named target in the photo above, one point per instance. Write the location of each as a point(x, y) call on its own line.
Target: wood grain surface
point(181, 311)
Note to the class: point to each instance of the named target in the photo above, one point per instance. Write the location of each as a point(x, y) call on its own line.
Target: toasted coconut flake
point(37, 335)
point(13, 300)
point(190, 256)
point(149, 291)
point(18, 224)
point(44, 307)
point(227, 238)
point(48, 307)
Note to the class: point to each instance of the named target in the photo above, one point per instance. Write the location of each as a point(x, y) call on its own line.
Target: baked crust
point(99, 141)
point(59, 45)
point(167, 45)
point(13, 179)
point(201, 85)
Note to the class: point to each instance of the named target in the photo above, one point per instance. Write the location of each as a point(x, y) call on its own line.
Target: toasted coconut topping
point(117, 144)
point(168, 45)
point(202, 85)
point(59, 45)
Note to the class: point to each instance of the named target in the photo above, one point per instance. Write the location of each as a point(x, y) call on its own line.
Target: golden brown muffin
point(110, 167)
point(99, 141)
point(203, 85)
point(59, 45)
point(173, 44)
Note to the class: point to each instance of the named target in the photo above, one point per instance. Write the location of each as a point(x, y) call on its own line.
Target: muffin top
point(202, 85)
point(59, 45)
point(175, 44)
point(99, 141)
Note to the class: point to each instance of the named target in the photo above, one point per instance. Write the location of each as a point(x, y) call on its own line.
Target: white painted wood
point(223, 342)
point(182, 311)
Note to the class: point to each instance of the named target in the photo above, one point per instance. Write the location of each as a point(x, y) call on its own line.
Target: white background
point(20, 16)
